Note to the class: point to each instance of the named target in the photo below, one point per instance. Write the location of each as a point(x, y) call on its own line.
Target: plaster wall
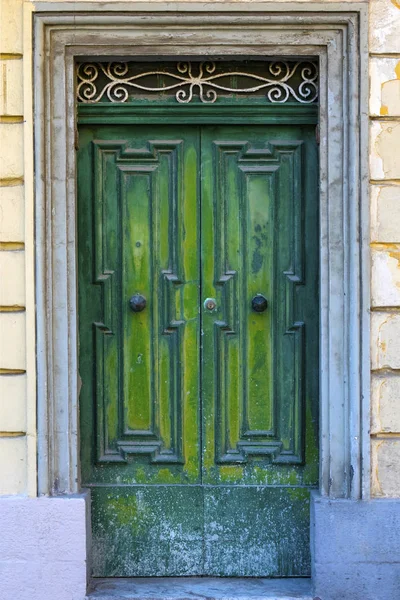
point(17, 319)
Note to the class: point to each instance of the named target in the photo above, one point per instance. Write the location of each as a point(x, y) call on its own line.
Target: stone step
point(200, 588)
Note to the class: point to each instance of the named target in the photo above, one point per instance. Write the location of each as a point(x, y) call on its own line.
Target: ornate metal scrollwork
point(113, 81)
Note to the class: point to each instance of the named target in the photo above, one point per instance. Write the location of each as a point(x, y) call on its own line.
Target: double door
point(198, 325)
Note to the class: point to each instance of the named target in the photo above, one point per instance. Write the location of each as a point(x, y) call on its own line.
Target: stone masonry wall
point(384, 113)
point(17, 422)
point(17, 321)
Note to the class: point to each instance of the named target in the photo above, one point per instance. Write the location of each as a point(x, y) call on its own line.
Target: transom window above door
point(207, 82)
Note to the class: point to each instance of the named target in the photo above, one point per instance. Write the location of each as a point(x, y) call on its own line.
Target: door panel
point(253, 243)
point(258, 209)
point(138, 234)
point(256, 531)
point(199, 426)
point(147, 530)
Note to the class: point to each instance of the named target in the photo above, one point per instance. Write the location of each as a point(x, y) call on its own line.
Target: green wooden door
point(199, 413)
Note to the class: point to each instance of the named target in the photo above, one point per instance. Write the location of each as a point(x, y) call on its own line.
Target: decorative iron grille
point(279, 81)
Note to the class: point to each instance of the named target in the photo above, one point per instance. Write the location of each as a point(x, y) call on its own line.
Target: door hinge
point(317, 133)
point(76, 140)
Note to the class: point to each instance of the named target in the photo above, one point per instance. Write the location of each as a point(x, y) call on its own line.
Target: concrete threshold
point(200, 588)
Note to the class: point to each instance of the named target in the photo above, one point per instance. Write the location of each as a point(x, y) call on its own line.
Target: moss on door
point(198, 323)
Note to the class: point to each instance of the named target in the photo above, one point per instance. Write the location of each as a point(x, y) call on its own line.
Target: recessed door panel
point(198, 304)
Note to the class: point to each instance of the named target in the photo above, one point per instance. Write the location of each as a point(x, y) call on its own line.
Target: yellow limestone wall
point(17, 319)
point(384, 113)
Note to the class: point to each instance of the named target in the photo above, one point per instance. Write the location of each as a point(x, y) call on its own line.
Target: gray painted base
point(201, 588)
point(43, 548)
point(355, 549)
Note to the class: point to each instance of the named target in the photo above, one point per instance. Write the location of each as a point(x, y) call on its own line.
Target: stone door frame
point(336, 33)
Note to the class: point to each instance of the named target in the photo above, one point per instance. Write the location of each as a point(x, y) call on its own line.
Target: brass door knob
point(210, 304)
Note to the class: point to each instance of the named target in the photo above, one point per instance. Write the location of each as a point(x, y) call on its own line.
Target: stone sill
point(200, 588)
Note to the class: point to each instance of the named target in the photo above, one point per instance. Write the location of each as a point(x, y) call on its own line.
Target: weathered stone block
point(385, 466)
point(385, 213)
point(11, 39)
point(43, 548)
point(12, 276)
point(12, 465)
point(384, 86)
point(384, 25)
point(385, 149)
point(13, 403)
point(356, 548)
point(12, 222)
point(11, 140)
point(12, 341)
point(11, 88)
point(385, 340)
point(385, 397)
point(385, 284)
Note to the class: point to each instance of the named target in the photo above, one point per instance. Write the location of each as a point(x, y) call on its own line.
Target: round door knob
point(210, 304)
point(137, 303)
point(259, 303)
